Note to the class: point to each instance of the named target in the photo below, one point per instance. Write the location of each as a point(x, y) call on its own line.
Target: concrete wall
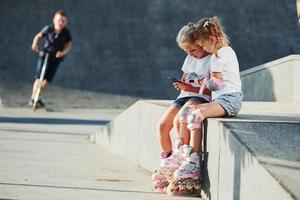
point(127, 48)
point(234, 171)
point(133, 133)
point(274, 81)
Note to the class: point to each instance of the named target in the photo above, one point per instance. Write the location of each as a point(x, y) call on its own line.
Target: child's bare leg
point(212, 109)
point(35, 86)
point(176, 125)
point(196, 140)
point(184, 134)
point(206, 110)
point(164, 127)
point(44, 84)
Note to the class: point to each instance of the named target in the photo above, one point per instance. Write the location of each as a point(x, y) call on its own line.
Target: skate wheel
point(197, 186)
point(182, 187)
point(176, 187)
point(170, 190)
point(189, 186)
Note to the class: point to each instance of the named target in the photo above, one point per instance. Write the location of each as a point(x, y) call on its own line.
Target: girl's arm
point(212, 83)
point(190, 88)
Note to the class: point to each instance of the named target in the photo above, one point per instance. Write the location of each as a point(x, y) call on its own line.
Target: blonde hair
point(186, 34)
point(208, 27)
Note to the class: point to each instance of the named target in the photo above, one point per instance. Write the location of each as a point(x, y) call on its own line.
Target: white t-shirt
point(226, 62)
point(197, 66)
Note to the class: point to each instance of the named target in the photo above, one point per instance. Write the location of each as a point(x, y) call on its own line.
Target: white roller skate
point(187, 178)
point(164, 174)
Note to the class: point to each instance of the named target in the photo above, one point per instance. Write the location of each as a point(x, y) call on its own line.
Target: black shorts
point(181, 101)
point(52, 66)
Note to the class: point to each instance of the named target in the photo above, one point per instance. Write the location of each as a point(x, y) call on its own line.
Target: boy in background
point(58, 43)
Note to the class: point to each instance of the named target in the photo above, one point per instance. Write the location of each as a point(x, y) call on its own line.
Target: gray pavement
point(47, 155)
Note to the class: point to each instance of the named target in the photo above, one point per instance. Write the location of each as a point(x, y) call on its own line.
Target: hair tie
point(206, 23)
point(191, 24)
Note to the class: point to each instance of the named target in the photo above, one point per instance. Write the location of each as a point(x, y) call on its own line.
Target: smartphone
point(174, 80)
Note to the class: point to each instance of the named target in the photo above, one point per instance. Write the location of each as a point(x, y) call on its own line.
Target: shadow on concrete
point(39, 132)
point(239, 159)
point(292, 118)
point(206, 180)
point(77, 188)
point(258, 86)
point(270, 140)
point(31, 120)
point(7, 199)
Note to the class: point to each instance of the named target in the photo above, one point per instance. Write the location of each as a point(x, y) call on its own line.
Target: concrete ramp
point(274, 81)
point(253, 156)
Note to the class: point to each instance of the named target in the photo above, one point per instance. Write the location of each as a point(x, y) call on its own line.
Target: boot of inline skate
point(187, 176)
point(159, 181)
point(164, 174)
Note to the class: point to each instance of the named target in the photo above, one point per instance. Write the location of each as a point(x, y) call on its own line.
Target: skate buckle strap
point(178, 142)
point(164, 155)
point(187, 150)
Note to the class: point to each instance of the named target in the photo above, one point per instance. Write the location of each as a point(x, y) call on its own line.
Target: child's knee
point(195, 119)
point(162, 127)
point(184, 113)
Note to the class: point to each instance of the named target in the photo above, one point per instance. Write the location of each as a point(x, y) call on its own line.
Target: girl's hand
point(180, 86)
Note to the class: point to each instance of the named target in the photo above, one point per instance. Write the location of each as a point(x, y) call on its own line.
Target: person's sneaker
point(30, 103)
point(39, 103)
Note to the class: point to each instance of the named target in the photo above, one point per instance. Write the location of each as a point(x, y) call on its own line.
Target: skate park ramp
point(122, 51)
point(253, 155)
point(277, 80)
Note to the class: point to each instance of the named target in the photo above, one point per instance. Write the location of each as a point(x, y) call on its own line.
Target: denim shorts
point(232, 102)
point(181, 101)
point(51, 69)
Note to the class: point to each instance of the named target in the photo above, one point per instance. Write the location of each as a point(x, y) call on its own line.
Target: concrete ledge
point(241, 160)
point(274, 81)
point(132, 134)
point(236, 168)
